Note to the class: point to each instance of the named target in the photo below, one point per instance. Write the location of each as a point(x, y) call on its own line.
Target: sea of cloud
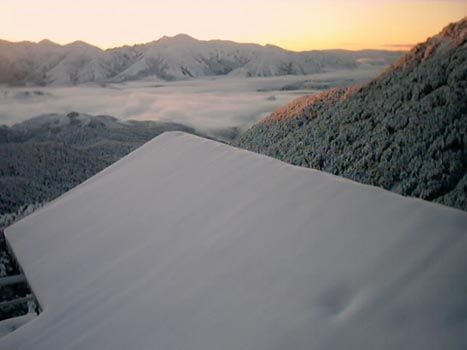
point(206, 104)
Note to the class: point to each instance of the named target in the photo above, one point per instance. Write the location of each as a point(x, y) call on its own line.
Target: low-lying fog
point(206, 104)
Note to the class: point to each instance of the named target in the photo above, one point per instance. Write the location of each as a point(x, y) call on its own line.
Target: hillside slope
point(50, 154)
point(405, 131)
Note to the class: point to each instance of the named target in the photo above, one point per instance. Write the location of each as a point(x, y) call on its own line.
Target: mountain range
point(405, 131)
point(169, 58)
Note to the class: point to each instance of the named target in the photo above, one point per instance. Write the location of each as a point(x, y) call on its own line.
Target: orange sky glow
point(292, 24)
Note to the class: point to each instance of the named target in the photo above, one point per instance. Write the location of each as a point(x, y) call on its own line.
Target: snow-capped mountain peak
point(169, 58)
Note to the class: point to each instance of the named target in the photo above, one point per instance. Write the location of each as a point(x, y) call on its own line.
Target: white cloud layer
point(204, 104)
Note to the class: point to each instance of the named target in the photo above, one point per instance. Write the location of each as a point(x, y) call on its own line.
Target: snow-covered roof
point(187, 243)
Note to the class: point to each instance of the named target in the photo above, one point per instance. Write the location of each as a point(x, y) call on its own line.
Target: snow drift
point(191, 244)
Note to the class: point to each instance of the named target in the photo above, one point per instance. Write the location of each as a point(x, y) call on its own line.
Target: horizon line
point(382, 47)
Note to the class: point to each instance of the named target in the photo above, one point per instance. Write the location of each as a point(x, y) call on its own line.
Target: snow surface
point(10, 325)
point(191, 244)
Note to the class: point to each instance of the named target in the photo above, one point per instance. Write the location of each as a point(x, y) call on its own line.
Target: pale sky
point(292, 24)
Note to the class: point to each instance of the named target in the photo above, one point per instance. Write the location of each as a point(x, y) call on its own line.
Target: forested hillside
point(50, 154)
point(405, 131)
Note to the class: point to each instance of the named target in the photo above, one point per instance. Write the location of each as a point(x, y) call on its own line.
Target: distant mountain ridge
point(405, 131)
point(169, 58)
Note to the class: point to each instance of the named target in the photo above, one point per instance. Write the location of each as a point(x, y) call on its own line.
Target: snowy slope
point(79, 64)
point(191, 244)
point(169, 58)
